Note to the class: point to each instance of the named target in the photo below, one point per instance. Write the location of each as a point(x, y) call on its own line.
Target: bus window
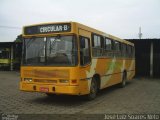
point(108, 44)
point(108, 47)
point(61, 51)
point(97, 42)
point(51, 51)
point(117, 48)
point(84, 51)
point(129, 54)
point(97, 45)
point(124, 50)
point(120, 49)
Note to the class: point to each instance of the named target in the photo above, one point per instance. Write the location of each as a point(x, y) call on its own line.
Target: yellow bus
point(5, 60)
point(73, 59)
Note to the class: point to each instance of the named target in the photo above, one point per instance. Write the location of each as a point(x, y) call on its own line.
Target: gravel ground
point(140, 96)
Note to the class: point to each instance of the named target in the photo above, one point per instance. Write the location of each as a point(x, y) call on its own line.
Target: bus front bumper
point(55, 89)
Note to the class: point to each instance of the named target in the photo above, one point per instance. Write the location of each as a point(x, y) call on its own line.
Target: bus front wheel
point(93, 90)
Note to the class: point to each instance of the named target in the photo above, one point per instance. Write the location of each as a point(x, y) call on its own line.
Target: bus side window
point(97, 45)
point(108, 47)
point(124, 50)
point(116, 48)
point(127, 52)
point(121, 49)
point(108, 44)
point(85, 57)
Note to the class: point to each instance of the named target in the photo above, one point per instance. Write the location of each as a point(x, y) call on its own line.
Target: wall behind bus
point(147, 55)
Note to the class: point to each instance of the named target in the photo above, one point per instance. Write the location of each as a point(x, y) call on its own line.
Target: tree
point(19, 38)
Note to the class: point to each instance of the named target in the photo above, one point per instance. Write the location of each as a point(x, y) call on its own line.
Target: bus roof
point(105, 34)
point(79, 25)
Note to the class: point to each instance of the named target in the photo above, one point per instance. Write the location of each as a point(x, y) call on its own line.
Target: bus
point(73, 59)
point(5, 58)
point(10, 55)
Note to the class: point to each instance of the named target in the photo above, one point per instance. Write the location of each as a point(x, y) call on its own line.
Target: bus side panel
point(113, 72)
point(85, 79)
point(110, 71)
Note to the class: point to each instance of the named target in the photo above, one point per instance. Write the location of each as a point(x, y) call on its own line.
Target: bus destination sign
point(49, 28)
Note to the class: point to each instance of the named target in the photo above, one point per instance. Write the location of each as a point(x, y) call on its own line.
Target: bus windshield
point(51, 51)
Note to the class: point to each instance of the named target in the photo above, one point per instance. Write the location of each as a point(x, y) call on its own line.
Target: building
point(147, 54)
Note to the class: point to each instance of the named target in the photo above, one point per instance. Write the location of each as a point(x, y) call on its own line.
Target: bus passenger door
point(85, 60)
point(85, 47)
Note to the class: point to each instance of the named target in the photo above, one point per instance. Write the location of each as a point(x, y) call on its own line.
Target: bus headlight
point(28, 79)
point(63, 81)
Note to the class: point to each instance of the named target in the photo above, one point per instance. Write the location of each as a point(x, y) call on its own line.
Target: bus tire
point(93, 90)
point(124, 79)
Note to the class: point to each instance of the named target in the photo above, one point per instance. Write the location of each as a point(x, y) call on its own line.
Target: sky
point(121, 18)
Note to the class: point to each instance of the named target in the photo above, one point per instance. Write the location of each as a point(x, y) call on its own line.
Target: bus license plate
point(44, 89)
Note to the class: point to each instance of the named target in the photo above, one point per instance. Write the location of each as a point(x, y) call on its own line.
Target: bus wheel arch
point(98, 80)
point(125, 73)
point(94, 87)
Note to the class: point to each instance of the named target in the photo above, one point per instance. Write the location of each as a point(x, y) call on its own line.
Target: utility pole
point(140, 33)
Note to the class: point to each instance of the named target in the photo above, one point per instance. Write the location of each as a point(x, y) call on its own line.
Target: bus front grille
point(46, 73)
point(45, 81)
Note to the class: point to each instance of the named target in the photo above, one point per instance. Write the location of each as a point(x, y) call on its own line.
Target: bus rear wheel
point(93, 90)
point(124, 79)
